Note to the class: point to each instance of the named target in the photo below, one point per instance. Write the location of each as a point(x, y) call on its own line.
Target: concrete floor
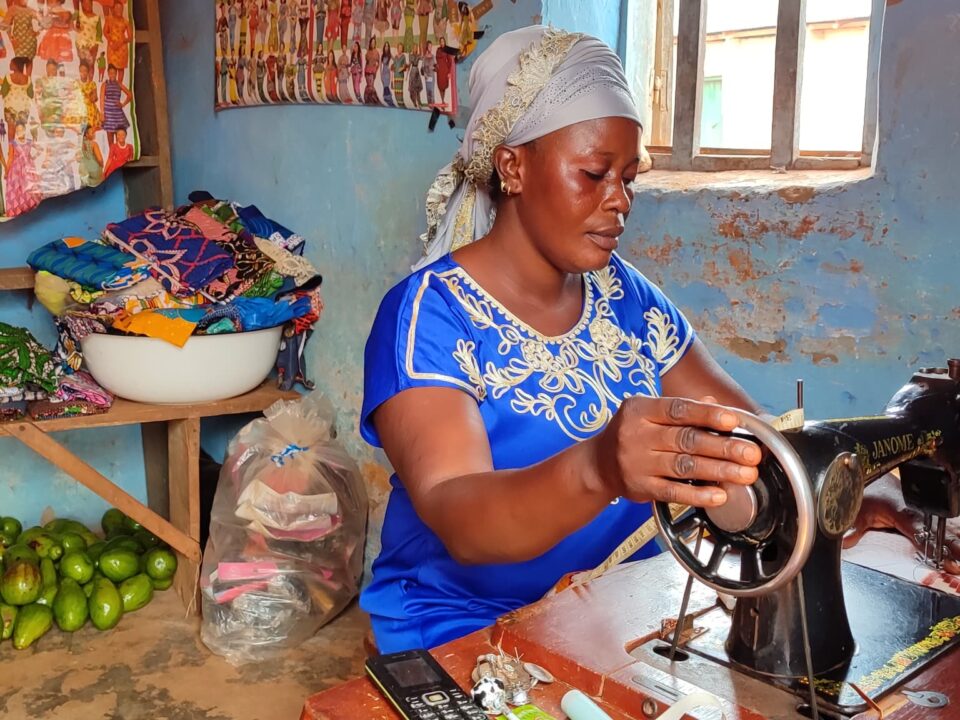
point(152, 666)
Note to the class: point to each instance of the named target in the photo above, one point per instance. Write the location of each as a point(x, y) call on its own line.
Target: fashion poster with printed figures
point(389, 53)
point(67, 94)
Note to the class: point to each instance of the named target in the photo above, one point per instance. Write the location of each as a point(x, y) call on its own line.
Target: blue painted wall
point(850, 286)
point(29, 484)
point(600, 18)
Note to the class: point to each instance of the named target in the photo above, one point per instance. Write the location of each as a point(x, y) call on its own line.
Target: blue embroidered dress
point(537, 396)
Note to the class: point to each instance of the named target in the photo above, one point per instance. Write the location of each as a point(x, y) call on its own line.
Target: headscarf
point(529, 83)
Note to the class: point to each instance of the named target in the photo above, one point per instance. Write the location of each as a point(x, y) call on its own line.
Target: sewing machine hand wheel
point(761, 579)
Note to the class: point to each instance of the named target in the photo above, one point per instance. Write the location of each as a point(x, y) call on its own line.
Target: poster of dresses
point(66, 87)
point(389, 53)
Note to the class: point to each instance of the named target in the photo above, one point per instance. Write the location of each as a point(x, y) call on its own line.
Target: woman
point(415, 82)
point(23, 184)
point(330, 77)
point(386, 60)
point(56, 44)
point(548, 357)
point(91, 159)
point(409, 13)
point(343, 77)
point(115, 96)
point(17, 92)
point(428, 69)
point(116, 29)
point(370, 67)
point(424, 8)
point(89, 33)
point(121, 152)
point(400, 66)
point(356, 69)
point(88, 88)
point(333, 21)
point(346, 12)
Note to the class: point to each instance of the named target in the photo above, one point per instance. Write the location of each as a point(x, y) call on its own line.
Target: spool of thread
point(578, 706)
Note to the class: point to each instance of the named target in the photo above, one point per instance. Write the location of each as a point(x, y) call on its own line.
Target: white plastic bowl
point(207, 368)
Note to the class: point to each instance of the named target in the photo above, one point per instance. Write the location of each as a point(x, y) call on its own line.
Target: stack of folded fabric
point(210, 267)
point(32, 382)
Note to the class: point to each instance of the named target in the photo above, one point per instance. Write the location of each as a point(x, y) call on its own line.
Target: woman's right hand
point(654, 443)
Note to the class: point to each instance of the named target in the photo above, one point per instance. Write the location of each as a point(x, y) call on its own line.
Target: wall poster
point(391, 53)
point(66, 88)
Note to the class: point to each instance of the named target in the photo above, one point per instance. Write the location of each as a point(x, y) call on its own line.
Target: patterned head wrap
point(529, 83)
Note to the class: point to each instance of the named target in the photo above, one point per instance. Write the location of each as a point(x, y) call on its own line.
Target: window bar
point(660, 133)
point(871, 103)
point(691, 47)
point(787, 83)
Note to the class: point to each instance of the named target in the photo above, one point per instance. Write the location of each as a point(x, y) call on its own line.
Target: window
point(756, 84)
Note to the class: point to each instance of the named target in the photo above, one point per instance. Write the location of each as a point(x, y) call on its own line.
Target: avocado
point(71, 541)
point(48, 576)
point(118, 564)
point(10, 526)
point(21, 584)
point(114, 522)
point(32, 623)
point(136, 592)
point(159, 563)
point(21, 553)
point(70, 606)
point(77, 566)
point(105, 604)
point(8, 614)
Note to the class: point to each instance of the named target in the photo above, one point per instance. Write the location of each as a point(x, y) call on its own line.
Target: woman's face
point(112, 73)
point(575, 190)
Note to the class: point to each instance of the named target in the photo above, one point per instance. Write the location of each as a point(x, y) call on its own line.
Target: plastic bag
point(285, 551)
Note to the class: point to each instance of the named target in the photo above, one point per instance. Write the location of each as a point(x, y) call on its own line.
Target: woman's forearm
point(515, 515)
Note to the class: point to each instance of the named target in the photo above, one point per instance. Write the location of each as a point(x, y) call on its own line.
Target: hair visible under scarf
point(527, 84)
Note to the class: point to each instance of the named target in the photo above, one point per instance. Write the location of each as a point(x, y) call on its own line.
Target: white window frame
point(682, 111)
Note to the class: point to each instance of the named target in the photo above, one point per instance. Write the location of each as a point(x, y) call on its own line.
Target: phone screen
point(410, 673)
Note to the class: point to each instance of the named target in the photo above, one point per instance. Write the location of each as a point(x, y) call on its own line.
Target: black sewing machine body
point(919, 433)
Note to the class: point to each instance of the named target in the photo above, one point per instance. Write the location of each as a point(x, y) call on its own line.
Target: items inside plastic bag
point(285, 550)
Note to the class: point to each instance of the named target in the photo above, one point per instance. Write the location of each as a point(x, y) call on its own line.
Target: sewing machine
point(775, 548)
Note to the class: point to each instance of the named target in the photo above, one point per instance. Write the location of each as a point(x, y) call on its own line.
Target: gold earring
point(503, 187)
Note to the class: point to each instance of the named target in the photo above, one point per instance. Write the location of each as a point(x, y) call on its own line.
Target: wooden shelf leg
point(183, 444)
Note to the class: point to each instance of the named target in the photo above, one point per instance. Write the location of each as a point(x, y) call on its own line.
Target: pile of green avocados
point(65, 574)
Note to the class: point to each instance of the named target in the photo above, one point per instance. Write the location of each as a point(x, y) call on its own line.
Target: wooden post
point(871, 103)
point(183, 448)
point(37, 440)
point(787, 82)
point(661, 132)
point(691, 48)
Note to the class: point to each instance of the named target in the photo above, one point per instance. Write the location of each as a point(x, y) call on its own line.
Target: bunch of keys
point(501, 680)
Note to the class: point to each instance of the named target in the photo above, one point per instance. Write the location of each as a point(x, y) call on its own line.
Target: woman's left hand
point(883, 511)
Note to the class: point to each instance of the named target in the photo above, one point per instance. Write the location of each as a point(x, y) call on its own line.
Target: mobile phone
point(419, 688)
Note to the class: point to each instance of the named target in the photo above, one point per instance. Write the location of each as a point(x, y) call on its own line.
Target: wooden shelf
point(145, 161)
point(16, 278)
point(125, 412)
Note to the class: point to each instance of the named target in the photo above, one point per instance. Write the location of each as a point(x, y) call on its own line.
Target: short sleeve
point(418, 340)
point(666, 333)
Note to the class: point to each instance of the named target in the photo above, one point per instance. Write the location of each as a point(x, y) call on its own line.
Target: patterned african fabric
point(24, 361)
point(81, 386)
point(181, 257)
point(89, 264)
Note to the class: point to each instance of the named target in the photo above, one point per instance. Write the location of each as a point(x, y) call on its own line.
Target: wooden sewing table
point(582, 636)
